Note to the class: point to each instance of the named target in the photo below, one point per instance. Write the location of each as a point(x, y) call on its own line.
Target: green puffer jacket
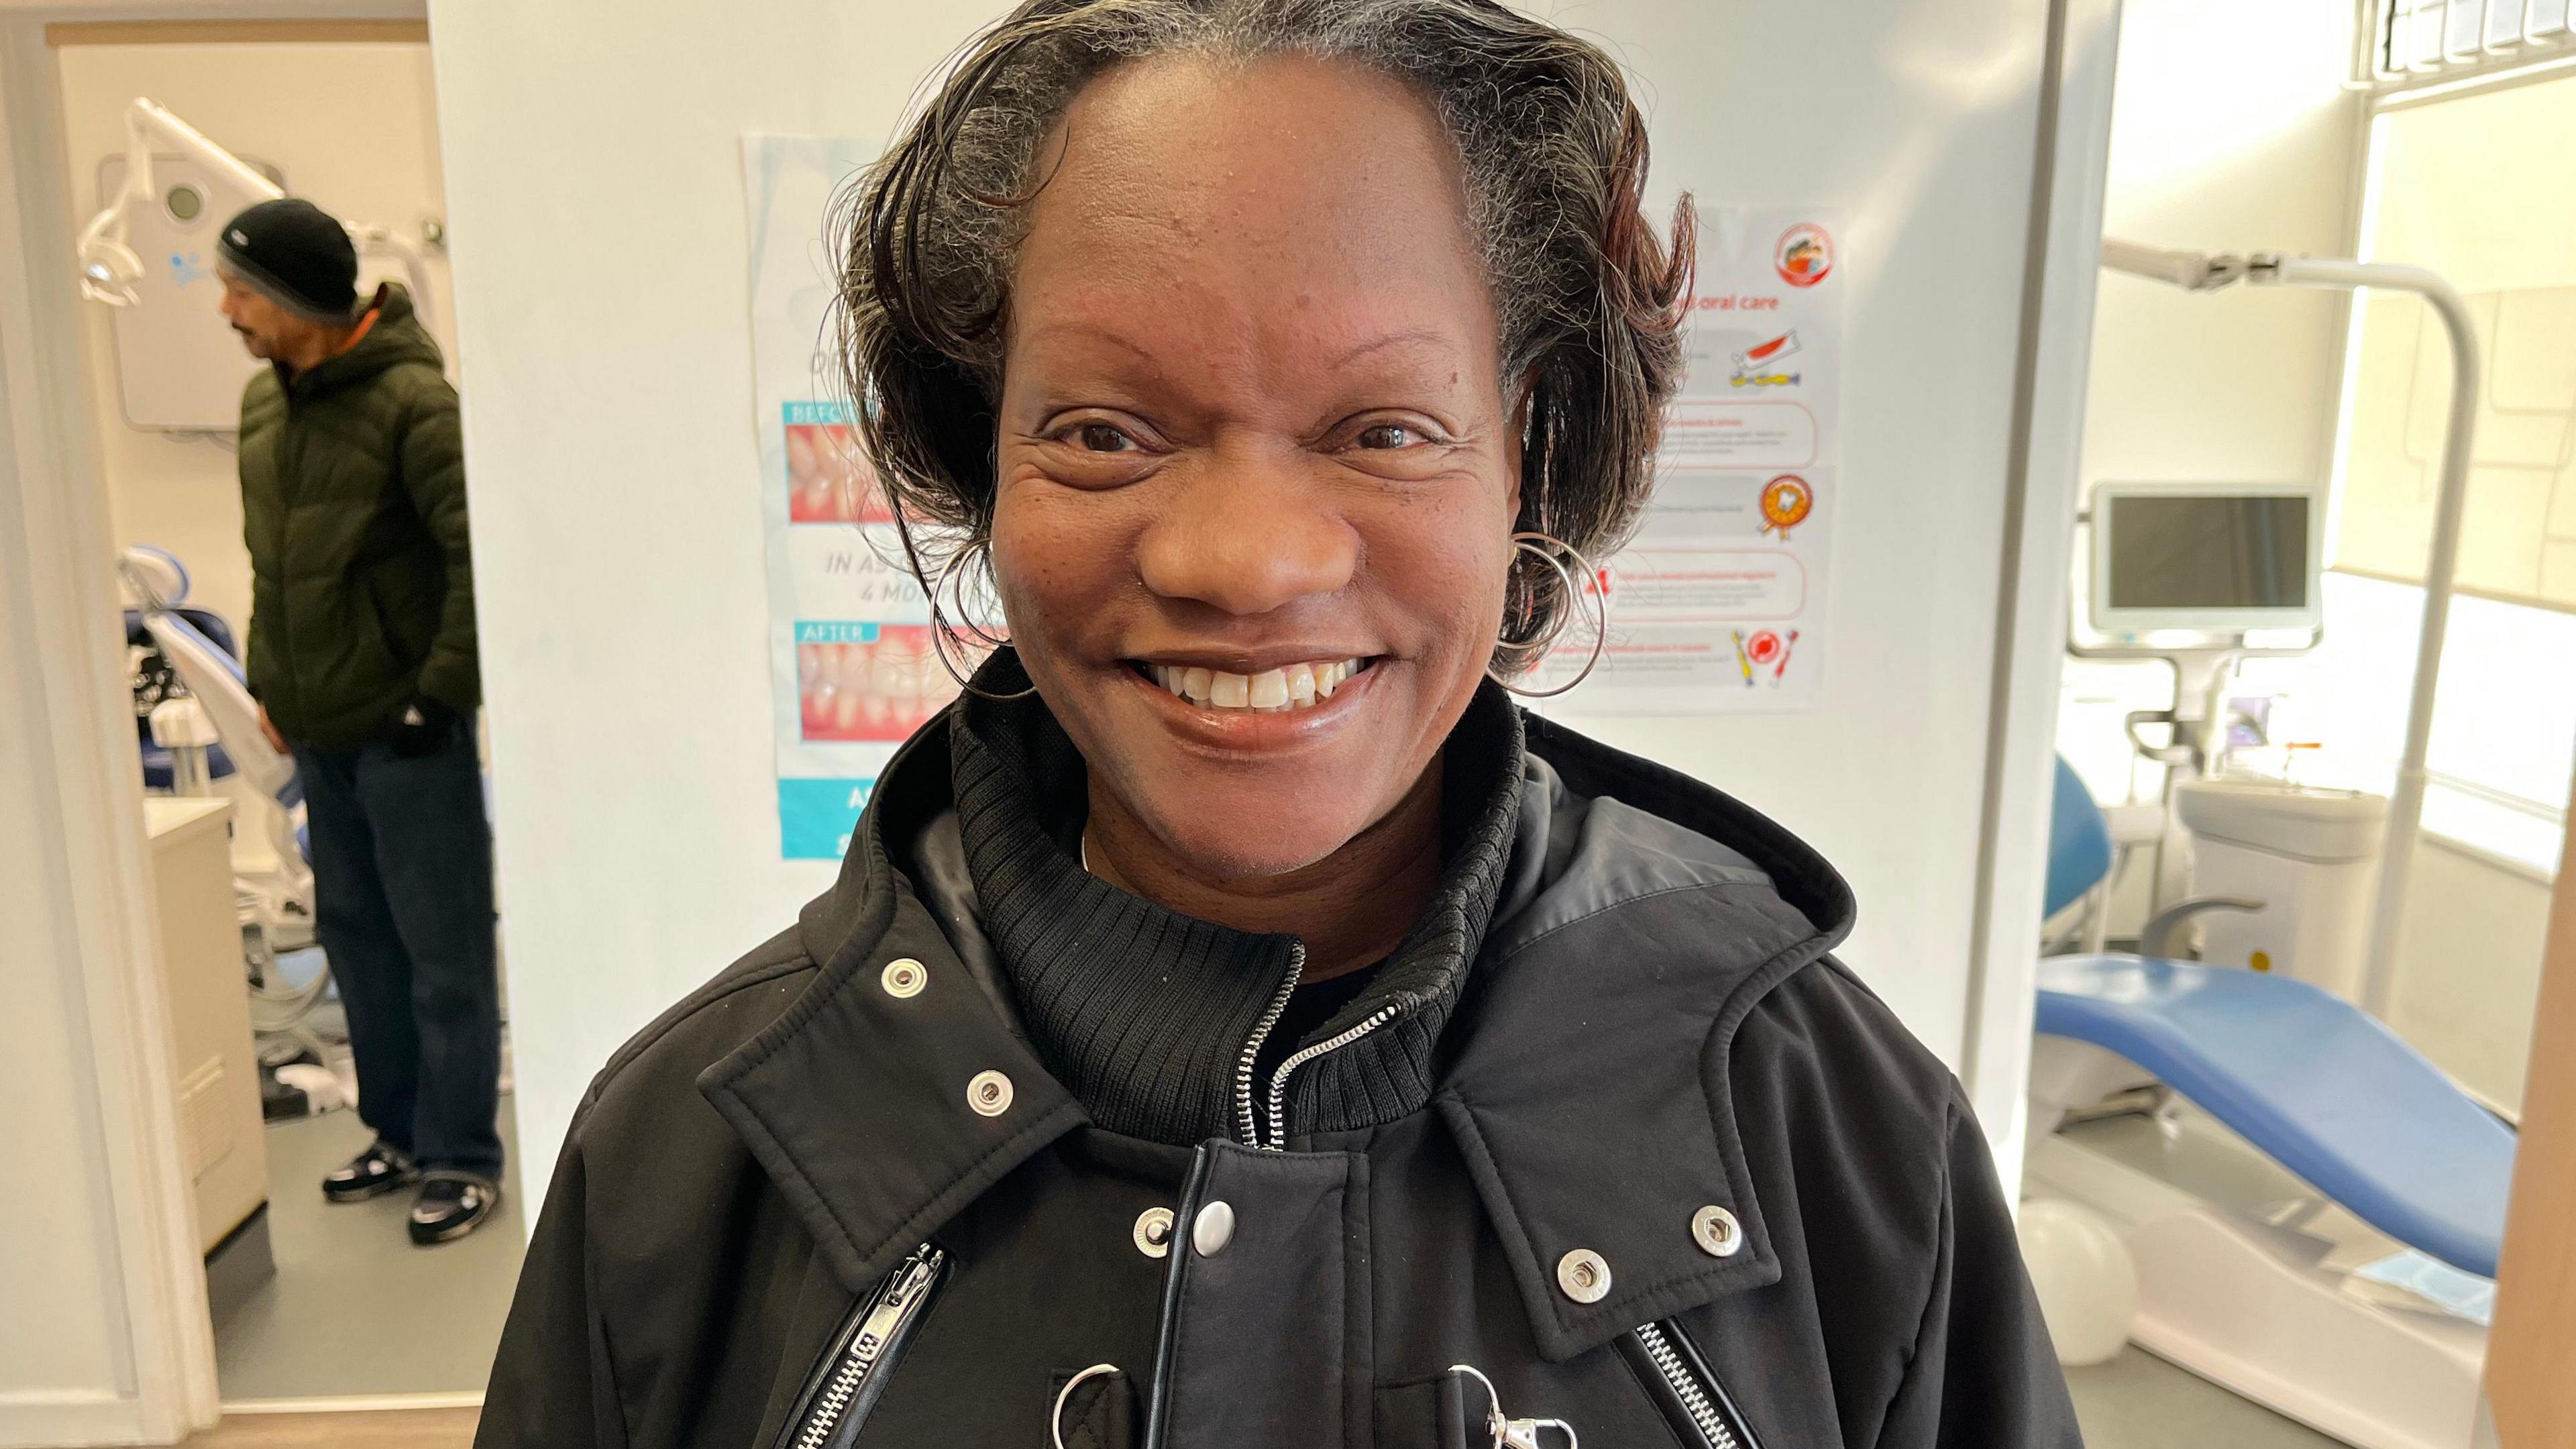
point(353, 504)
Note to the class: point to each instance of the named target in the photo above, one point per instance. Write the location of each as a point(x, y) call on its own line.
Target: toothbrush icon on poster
point(1763, 650)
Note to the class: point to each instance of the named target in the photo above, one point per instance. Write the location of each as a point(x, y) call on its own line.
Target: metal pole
point(2406, 802)
point(2201, 272)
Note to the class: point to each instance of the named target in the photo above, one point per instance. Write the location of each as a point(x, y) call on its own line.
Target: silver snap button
point(1212, 1229)
point(1154, 1232)
point(989, 1093)
point(904, 977)
point(1717, 1232)
point(1584, 1275)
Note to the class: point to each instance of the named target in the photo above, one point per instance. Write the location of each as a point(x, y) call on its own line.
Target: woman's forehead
point(1308, 201)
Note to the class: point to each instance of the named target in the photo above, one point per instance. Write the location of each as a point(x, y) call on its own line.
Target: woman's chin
point(1251, 845)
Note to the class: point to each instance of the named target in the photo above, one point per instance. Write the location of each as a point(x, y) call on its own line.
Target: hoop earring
point(1547, 548)
point(943, 635)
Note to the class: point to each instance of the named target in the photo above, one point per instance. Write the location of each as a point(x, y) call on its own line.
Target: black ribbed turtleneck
point(1142, 1012)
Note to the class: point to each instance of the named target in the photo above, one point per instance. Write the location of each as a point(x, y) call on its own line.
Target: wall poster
point(1718, 603)
point(852, 672)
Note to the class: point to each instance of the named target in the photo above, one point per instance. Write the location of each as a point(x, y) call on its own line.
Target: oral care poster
point(850, 663)
point(1718, 603)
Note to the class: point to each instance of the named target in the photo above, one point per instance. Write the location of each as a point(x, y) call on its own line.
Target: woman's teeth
point(1299, 686)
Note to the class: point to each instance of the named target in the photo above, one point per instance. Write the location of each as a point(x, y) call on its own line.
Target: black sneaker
point(451, 1205)
point(380, 1169)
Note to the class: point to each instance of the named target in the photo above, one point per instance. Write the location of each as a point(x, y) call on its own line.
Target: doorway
point(313, 1303)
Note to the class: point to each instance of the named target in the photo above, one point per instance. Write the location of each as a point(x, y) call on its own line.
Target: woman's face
point(1252, 439)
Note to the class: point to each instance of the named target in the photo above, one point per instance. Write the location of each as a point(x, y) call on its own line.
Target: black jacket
point(1669, 1174)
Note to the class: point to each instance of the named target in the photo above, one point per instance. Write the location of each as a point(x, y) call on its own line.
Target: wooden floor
point(409, 1429)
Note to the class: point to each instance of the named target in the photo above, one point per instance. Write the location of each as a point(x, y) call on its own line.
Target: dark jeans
point(402, 884)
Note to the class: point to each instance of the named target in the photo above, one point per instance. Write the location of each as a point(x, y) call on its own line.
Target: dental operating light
point(109, 267)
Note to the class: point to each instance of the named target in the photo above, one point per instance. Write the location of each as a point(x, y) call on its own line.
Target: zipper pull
point(1510, 1433)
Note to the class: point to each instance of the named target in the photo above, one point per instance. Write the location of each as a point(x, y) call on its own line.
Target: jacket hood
point(1643, 915)
point(396, 338)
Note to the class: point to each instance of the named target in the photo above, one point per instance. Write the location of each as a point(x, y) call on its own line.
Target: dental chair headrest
point(154, 576)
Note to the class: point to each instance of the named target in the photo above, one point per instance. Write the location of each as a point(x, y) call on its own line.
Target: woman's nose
point(1247, 538)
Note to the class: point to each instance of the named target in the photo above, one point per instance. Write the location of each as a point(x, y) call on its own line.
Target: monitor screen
point(2207, 551)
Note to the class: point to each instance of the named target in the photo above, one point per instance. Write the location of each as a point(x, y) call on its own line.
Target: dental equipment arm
point(110, 268)
point(2199, 272)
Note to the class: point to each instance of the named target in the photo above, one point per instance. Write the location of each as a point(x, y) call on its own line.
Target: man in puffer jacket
point(362, 656)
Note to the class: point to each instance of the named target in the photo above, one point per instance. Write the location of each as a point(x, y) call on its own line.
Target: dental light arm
point(2199, 272)
point(109, 267)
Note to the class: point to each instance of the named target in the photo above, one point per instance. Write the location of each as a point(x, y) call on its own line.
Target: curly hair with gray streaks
point(1589, 295)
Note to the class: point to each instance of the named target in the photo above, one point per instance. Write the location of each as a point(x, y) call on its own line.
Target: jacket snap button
point(1154, 1232)
point(1717, 1232)
point(1212, 1229)
point(1584, 1275)
point(904, 977)
point(989, 1093)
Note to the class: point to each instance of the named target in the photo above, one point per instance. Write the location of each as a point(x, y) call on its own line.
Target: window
point(2416, 41)
point(2476, 188)
point(2504, 715)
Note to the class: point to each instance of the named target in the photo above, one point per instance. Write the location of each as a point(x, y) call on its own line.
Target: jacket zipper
point(1247, 1121)
point(844, 1386)
point(1279, 1079)
point(1246, 1124)
point(1695, 1386)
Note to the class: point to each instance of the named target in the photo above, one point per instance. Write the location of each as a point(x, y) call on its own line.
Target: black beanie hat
point(297, 254)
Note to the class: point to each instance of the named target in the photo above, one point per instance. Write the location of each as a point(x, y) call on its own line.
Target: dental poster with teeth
point(1719, 602)
point(851, 668)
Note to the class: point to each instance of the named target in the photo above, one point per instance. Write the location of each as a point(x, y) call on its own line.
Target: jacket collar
point(1648, 916)
point(862, 1103)
point(1574, 1074)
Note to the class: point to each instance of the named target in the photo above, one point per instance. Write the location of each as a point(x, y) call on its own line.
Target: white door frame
point(63, 692)
point(2064, 261)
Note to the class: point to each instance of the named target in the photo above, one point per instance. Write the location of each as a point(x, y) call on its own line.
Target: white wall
point(63, 1247)
point(354, 128)
point(599, 259)
point(1917, 122)
point(2230, 130)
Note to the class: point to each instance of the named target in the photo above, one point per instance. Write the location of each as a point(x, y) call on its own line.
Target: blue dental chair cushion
point(2320, 1085)
point(2079, 842)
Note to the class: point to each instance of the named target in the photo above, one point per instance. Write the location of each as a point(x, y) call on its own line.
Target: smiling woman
point(1236, 1022)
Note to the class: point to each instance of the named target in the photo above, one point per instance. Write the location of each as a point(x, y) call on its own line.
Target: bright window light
point(2504, 720)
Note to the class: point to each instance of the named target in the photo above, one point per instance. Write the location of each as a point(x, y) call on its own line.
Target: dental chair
point(2312, 1210)
point(276, 897)
point(160, 769)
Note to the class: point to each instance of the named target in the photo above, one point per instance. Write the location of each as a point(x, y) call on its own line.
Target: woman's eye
point(1103, 438)
point(1388, 435)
